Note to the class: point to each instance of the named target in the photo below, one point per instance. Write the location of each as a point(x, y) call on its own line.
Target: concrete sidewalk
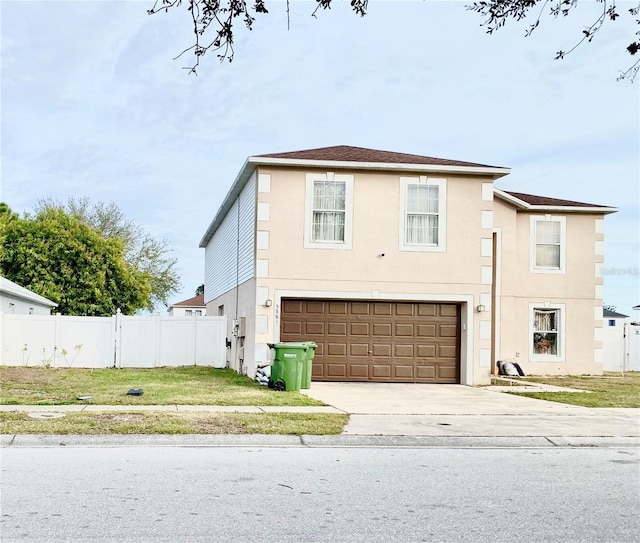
point(410, 413)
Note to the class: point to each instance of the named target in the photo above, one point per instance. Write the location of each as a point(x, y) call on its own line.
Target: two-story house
point(403, 268)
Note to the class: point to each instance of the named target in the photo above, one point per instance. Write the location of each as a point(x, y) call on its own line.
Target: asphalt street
point(319, 494)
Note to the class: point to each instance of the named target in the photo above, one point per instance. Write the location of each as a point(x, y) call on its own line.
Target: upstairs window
point(548, 245)
point(422, 215)
point(329, 209)
point(329, 205)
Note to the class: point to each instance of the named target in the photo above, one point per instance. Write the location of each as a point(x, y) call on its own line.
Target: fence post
point(56, 332)
point(117, 338)
point(195, 339)
point(157, 342)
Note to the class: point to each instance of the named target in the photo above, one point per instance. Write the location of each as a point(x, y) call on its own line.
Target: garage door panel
point(404, 310)
point(403, 372)
point(337, 308)
point(426, 351)
point(447, 372)
point(447, 351)
point(336, 349)
point(359, 371)
point(448, 330)
point(338, 371)
point(426, 330)
point(313, 307)
point(403, 351)
point(404, 329)
point(360, 308)
point(381, 350)
point(337, 329)
point(382, 330)
point(381, 371)
point(359, 349)
point(426, 372)
point(426, 310)
point(381, 308)
point(448, 310)
point(377, 341)
point(293, 307)
point(292, 327)
point(314, 329)
point(359, 328)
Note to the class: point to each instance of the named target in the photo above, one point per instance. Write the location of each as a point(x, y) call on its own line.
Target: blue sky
point(93, 105)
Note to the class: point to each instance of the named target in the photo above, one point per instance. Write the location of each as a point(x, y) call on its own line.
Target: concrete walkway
point(458, 410)
point(417, 413)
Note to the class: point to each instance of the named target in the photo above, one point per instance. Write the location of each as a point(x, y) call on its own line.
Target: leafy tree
point(213, 21)
point(56, 255)
point(200, 290)
point(141, 251)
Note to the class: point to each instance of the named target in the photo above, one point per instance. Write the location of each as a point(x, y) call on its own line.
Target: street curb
point(311, 441)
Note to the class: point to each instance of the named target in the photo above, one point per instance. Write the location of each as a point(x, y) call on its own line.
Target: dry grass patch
point(161, 422)
point(191, 385)
point(608, 390)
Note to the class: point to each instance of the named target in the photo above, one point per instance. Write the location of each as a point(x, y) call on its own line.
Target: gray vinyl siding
point(230, 253)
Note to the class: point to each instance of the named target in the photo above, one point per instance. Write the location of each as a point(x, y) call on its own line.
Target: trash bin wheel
point(280, 385)
point(270, 383)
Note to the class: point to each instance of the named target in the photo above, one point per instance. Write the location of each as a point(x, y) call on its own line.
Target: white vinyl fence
point(60, 341)
point(621, 346)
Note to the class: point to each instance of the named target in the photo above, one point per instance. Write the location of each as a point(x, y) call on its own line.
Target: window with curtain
point(329, 210)
point(422, 214)
point(545, 334)
point(548, 244)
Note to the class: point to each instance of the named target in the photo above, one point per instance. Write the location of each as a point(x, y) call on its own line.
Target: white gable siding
point(230, 254)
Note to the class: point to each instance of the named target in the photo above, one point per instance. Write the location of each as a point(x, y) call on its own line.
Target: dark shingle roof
point(346, 153)
point(613, 314)
point(195, 301)
point(545, 201)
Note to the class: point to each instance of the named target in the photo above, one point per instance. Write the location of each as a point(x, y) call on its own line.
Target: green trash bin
point(288, 362)
point(308, 364)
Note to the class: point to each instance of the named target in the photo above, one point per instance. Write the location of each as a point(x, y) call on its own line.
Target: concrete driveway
point(459, 410)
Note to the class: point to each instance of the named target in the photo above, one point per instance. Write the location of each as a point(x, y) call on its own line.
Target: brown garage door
point(377, 341)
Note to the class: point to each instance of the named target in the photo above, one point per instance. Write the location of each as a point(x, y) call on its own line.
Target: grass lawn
point(608, 390)
point(191, 385)
point(160, 422)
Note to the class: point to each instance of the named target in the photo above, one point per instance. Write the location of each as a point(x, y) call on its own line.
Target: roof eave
point(492, 171)
point(521, 204)
point(236, 188)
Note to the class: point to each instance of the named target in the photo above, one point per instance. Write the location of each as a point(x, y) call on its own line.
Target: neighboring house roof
point(613, 314)
point(531, 202)
point(196, 301)
point(13, 289)
point(346, 157)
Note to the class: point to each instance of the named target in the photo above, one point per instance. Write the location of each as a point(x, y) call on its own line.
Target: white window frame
point(309, 243)
point(441, 183)
point(561, 332)
point(534, 268)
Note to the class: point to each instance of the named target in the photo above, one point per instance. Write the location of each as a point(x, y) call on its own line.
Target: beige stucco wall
point(578, 290)
point(360, 272)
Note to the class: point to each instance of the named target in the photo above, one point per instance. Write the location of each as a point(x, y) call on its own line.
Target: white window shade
point(422, 214)
point(548, 244)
